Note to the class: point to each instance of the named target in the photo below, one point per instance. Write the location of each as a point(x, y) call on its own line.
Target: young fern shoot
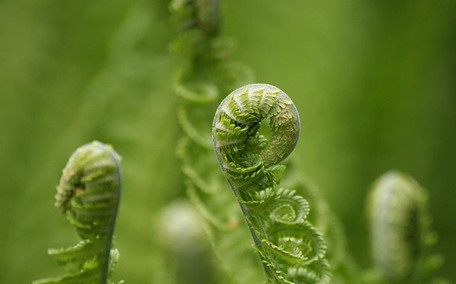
point(290, 248)
point(400, 230)
point(88, 194)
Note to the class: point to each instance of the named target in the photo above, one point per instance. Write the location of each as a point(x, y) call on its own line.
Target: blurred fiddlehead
point(182, 236)
point(88, 194)
point(400, 230)
point(290, 248)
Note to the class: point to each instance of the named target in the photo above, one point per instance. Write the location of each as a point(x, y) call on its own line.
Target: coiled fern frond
point(88, 194)
point(291, 249)
point(400, 230)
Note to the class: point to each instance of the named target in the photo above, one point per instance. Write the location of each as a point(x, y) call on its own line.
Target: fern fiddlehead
point(400, 230)
point(291, 249)
point(88, 194)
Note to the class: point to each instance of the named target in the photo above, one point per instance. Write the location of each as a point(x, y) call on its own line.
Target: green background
point(374, 82)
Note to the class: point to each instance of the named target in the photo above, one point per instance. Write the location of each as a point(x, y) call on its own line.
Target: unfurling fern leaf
point(400, 230)
point(290, 248)
point(88, 194)
point(206, 72)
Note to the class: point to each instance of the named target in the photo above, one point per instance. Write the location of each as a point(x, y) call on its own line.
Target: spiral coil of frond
point(400, 230)
point(291, 249)
point(343, 266)
point(88, 194)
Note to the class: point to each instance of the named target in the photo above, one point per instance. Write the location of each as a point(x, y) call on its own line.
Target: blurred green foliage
point(374, 83)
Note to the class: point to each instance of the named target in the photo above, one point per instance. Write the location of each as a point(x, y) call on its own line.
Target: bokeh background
point(374, 82)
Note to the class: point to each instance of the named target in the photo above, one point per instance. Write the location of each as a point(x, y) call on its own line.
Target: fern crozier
point(290, 248)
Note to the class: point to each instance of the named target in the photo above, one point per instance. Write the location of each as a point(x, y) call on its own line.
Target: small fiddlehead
point(400, 230)
point(88, 194)
point(290, 248)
